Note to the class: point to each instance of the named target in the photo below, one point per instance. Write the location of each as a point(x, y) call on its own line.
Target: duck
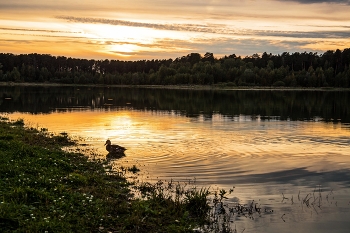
point(114, 149)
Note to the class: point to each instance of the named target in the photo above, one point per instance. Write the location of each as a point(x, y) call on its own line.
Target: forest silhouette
point(330, 69)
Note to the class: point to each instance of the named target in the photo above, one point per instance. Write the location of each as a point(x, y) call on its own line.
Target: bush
point(278, 84)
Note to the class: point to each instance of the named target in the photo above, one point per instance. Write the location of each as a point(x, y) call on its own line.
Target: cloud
point(162, 48)
point(310, 34)
point(219, 39)
point(35, 30)
point(173, 48)
point(206, 28)
point(42, 35)
point(120, 53)
point(321, 1)
point(221, 29)
point(18, 5)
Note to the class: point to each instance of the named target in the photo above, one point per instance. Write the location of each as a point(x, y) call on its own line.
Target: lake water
point(278, 148)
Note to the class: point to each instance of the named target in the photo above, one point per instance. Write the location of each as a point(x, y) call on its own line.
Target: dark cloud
point(41, 5)
point(18, 6)
point(312, 34)
point(42, 35)
point(34, 30)
point(212, 28)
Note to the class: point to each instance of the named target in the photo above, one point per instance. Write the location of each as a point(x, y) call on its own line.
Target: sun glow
point(120, 125)
point(145, 30)
point(123, 49)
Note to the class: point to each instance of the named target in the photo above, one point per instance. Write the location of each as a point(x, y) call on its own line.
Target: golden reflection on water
point(262, 159)
point(169, 145)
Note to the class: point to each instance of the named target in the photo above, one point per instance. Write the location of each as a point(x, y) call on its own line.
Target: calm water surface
point(274, 147)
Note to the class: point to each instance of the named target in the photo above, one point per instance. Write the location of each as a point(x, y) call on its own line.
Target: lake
point(289, 151)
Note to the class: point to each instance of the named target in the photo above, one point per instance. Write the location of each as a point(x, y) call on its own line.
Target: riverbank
point(221, 86)
point(45, 189)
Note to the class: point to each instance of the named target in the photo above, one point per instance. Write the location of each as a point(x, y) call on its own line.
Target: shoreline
point(46, 189)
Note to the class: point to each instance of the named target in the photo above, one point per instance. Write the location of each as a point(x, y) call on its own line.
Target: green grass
point(44, 189)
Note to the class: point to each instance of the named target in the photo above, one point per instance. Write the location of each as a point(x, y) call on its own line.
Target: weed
point(43, 188)
point(18, 122)
point(133, 169)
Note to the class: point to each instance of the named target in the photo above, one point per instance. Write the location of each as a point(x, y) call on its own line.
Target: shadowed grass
point(44, 189)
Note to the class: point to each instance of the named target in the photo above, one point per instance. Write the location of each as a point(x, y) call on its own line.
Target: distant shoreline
point(184, 87)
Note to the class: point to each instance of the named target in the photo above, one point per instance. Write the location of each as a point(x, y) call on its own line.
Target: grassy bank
point(44, 189)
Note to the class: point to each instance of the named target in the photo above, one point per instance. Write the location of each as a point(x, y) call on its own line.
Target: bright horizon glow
point(137, 30)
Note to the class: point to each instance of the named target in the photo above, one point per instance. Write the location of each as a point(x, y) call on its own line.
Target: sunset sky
point(162, 29)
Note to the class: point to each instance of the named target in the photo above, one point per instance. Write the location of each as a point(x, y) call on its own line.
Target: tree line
point(307, 69)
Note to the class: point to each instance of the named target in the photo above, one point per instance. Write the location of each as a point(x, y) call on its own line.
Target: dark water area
point(276, 147)
point(281, 105)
